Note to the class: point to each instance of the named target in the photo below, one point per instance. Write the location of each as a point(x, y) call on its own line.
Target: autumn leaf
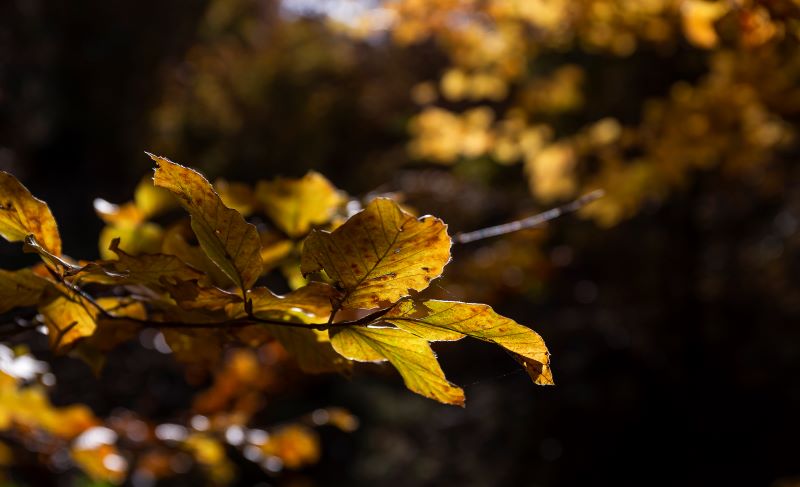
point(152, 270)
point(20, 288)
point(191, 295)
point(21, 214)
point(411, 356)
point(380, 254)
point(68, 318)
point(230, 242)
point(450, 320)
point(294, 205)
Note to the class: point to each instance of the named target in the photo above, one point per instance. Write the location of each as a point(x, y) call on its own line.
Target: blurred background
point(669, 306)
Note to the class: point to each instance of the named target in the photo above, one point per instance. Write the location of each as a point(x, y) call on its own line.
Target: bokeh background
point(669, 306)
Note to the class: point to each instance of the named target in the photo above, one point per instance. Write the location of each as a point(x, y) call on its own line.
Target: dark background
point(674, 335)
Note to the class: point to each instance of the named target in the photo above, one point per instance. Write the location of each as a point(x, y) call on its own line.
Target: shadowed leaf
point(20, 288)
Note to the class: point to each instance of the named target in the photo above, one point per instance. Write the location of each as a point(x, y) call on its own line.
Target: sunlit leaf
point(380, 254)
point(231, 242)
point(21, 214)
point(410, 355)
point(20, 288)
point(449, 320)
point(297, 204)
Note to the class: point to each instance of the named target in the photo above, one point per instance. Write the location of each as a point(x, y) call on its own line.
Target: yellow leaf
point(21, 215)
point(449, 320)
point(144, 238)
point(229, 241)
point(67, 318)
point(380, 254)
point(410, 355)
point(20, 288)
point(294, 205)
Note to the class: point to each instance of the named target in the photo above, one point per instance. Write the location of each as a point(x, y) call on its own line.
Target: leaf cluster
point(356, 279)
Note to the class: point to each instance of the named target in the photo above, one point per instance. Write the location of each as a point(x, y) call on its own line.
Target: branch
point(531, 221)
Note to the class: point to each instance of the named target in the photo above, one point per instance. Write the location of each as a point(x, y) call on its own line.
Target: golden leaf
point(21, 214)
point(229, 241)
point(294, 205)
point(411, 356)
point(450, 320)
point(68, 318)
point(380, 254)
point(20, 288)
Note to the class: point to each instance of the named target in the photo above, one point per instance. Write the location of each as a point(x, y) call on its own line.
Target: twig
point(531, 221)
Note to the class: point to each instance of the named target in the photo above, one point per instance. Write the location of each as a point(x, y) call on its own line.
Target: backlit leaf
point(21, 214)
point(68, 318)
point(294, 205)
point(230, 242)
point(380, 254)
point(449, 320)
point(410, 355)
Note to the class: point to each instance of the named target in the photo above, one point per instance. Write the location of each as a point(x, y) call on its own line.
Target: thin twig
point(531, 221)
